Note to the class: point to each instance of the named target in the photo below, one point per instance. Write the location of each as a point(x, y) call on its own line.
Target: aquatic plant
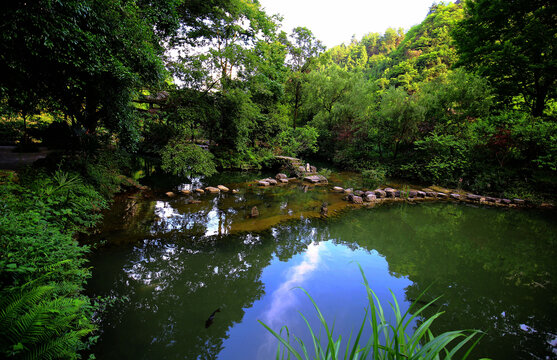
point(388, 341)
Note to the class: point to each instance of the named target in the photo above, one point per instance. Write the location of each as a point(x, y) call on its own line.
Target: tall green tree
point(81, 57)
point(514, 45)
point(303, 50)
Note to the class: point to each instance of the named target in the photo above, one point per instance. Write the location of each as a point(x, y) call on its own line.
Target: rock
point(390, 193)
point(370, 198)
point(455, 196)
point(283, 181)
point(359, 192)
point(442, 195)
point(490, 199)
point(348, 191)
point(398, 193)
point(212, 190)
point(281, 176)
point(316, 179)
point(254, 212)
point(223, 188)
point(431, 194)
point(357, 199)
point(421, 194)
point(369, 193)
point(473, 197)
point(324, 209)
point(506, 201)
point(380, 193)
point(185, 192)
point(519, 201)
point(235, 191)
point(338, 189)
point(170, 194)
point(313, 169)
point(263, 183)
point(389, 189)
point(194, 202)
point(200, 191)
point(412, 193)
point(271, 181)
point(301, 169)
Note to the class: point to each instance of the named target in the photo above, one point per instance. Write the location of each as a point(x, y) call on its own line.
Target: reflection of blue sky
point(330, 274)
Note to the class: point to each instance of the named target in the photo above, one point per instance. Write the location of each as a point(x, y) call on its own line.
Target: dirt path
point(10, 160)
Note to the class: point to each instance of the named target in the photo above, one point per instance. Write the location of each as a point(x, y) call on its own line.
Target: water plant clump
point(387, 341)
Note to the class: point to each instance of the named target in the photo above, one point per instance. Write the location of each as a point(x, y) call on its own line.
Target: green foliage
point(36, 323)
point(513, 44)
point(372, 178)
point(42, 267)
point(183, 158)
point(301, 140)
point(387, 341)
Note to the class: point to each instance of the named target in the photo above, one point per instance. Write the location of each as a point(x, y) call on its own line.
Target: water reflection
point(494, 269)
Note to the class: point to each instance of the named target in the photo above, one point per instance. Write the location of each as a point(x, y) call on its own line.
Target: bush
point(183, 158)
point(372, 178)
point(42, 267)
point(293, 142)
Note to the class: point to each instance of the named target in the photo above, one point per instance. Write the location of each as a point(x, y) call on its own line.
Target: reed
point(388, 341)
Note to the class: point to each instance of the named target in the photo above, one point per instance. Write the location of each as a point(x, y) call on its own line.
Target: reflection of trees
point(175, 282)
point(493, 269)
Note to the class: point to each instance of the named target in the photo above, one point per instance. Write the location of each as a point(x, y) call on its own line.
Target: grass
point(388, 341)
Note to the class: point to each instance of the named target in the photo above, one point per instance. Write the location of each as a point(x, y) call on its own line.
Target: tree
point(303, 50)
point(514, 45)
point(180, 157)
point(84, 58)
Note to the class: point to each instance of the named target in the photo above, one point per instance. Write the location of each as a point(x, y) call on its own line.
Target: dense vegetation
point(465, 98)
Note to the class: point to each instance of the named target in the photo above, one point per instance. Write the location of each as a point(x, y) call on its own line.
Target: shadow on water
point(176, 262)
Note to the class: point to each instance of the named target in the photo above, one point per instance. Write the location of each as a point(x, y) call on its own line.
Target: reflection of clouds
point(283, 299)
point(213, 222)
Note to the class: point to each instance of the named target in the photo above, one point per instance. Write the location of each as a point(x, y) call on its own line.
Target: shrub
point(183, 158)
point(372, 178)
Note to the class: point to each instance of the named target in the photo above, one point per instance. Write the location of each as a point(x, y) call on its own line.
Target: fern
point(39, 324)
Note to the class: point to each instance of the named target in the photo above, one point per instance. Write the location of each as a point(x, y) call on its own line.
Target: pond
point(171, 264)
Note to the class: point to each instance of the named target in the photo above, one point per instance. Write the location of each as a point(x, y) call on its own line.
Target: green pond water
point(172, 264)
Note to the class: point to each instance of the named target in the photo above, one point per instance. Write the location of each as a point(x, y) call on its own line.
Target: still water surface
point(175, 263)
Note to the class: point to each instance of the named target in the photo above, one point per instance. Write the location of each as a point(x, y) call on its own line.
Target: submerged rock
point(324, 210)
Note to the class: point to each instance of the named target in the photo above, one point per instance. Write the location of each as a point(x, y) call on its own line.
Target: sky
point(335, 21)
